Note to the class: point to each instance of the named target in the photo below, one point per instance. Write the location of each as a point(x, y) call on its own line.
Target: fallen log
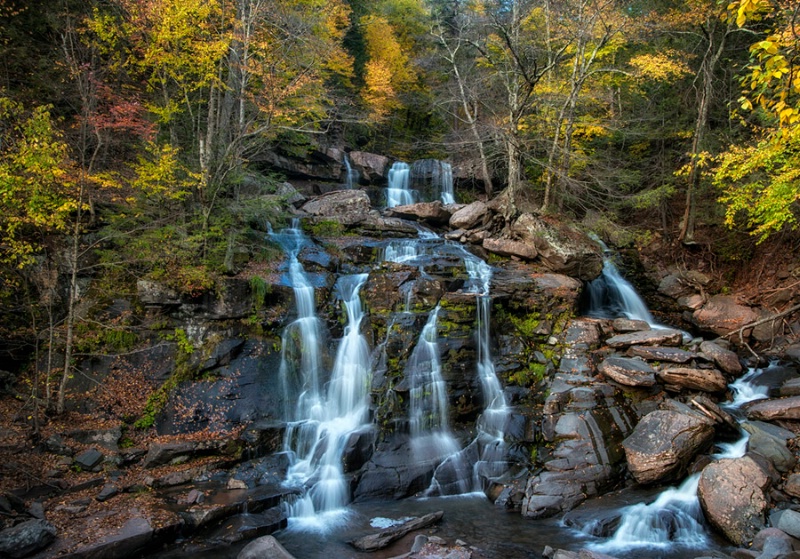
point(383, 538)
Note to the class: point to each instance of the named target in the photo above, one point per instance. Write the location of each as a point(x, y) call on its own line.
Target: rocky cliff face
point(592, 402)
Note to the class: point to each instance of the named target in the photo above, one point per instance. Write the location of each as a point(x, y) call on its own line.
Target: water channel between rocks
point(328, 411)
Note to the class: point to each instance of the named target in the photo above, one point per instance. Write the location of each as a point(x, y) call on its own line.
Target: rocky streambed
point(595, 406)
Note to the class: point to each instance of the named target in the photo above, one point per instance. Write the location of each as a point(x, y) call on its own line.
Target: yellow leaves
point(665, 66)
point(760, 183)
point(379, 95)
point(161, 175)
point(388, 71)
point(741, 11)
point(36, 181)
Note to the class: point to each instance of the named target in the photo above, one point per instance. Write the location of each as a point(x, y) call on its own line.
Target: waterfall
point(301, 340)
point(446, 184)
point(431, 438)
point(484, 457)
point(351, 175)
point(398, 192)
point(491, 425)
point(612, 296)
point(675, 517)
point(428, 410)
point(321, 425)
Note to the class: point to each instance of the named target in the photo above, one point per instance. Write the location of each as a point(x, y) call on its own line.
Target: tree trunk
point(706, 92)
point(72, 299)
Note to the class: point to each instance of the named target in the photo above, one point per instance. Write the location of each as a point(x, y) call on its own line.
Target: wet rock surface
point(587, 398)
point(663, 444)
point(733, 496)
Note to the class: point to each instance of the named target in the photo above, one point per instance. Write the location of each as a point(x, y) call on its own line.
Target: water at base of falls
point(675, 519)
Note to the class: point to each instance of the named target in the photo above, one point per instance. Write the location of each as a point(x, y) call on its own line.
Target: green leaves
point(37, 188)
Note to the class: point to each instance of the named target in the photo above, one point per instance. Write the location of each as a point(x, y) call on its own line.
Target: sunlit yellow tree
point(761, 180)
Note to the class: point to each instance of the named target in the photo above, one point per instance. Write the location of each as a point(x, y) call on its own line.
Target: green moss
point(259, 289)
point(533, 374)
point(325, 228)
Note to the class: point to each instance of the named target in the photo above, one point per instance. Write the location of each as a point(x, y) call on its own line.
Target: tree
point(761, 180)
point(589, 28)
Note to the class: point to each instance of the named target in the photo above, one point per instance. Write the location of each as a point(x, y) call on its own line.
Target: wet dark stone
point(107, 493)
point(25, 538)
point(89, 459)
point(242, 527)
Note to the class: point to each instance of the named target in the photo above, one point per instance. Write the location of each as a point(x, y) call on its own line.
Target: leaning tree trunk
point(707, 68)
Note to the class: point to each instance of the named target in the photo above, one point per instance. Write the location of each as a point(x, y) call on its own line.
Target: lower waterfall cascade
point(329, 380)
point(329, 414)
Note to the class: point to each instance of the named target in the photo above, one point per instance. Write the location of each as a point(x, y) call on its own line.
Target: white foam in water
point(382, 522)
point(745, 390)
point(675, 518)
point(321, 423)
point(398, 191)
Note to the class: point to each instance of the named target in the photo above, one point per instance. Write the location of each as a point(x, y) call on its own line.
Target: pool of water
point(497, 534)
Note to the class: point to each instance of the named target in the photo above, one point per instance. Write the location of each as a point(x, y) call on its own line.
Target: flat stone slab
point(774, 408)
point(664, 336)
point(707, 380)
point(384, 538)
point(628, 371)
point(658, 353)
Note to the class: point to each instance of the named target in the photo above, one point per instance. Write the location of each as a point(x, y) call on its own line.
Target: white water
point(431, 438)
point(487, 452)
point(398, 191)
point(351, 175)
point(321, 423)
point(675, 518)
point(446, 183)
point(301, 340)
point(612, 296)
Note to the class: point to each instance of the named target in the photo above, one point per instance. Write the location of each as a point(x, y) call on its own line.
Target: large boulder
point(265, 547)
point(563, 249)
point(725, 359)
point(722, 315)
point(770, 441)
point(510, 247)
point(692, 378)
point(774, 408)
point(434, 212)
point(469, 216)
point(663, 444)
point(370, 166)
point(348, 207)
point(26, 538)
point(733, 496)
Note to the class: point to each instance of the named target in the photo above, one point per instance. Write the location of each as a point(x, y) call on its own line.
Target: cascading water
point(675, 518)
point(398, 191)
point(431, 438)
point(321, 425)
point(446, 184)
point(351, 175)
point(300, 346)
point(487, 452)
point(612, 296)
